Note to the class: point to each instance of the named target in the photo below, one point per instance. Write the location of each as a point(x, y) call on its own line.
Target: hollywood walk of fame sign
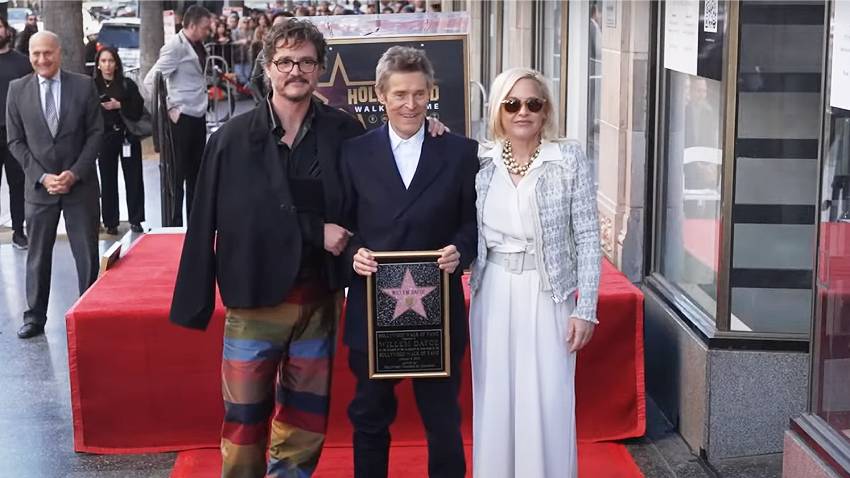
point(348, 81)
point(408, 316)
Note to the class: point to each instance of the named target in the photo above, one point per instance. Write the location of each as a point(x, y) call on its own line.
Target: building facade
point(720, 140)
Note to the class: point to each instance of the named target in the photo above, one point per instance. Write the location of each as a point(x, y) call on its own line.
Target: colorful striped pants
point(277, 364)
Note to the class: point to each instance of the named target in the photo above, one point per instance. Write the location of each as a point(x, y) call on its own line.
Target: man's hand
point(450, 259)
point(364, 262)
point(62, 183)
point(436, 128)
point(336, 238)
point(174, 114)
point(51, 183)
point(579, 332)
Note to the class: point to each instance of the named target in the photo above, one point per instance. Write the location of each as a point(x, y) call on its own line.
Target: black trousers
point(15, 178)
point(81, 225)
point(190, 137)
point(107, 163)
point(374, 408)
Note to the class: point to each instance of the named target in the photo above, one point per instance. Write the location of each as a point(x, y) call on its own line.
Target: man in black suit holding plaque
point(408, 191)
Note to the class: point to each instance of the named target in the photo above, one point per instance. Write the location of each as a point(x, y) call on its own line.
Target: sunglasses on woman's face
point(513, 105)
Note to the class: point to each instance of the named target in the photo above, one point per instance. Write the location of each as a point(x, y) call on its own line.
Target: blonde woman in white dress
point(534, 285)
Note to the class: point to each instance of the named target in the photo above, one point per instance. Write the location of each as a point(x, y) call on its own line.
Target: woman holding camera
point(120, 99)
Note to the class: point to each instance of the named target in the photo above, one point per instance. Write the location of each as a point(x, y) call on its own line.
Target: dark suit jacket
point(437, 210)
point(77, 140)
point(244, 228)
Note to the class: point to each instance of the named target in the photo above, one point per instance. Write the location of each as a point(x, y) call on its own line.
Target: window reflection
point(833, 312)
point(594, 83)
point(690, 217)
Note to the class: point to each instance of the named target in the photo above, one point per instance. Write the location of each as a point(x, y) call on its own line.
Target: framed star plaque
point(407, 304)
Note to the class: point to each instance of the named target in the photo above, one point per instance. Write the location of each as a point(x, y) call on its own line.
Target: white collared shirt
point(407, 152)
point(57, 92)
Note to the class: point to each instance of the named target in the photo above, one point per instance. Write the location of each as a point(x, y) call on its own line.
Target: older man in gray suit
point(181, 62)
point(54, 128)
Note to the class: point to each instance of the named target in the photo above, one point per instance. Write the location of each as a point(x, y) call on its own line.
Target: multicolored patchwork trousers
point(277, 364)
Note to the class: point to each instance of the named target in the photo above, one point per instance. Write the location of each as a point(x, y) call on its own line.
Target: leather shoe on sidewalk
point(30, 330)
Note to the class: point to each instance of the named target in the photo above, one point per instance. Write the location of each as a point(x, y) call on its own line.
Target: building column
point(622, 132)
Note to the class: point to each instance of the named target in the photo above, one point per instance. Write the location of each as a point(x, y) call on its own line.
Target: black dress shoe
point(30, 330)
point(136, 228)
point(112, 230)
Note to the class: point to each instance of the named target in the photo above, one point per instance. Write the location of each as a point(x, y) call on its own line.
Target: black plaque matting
point(407, 303)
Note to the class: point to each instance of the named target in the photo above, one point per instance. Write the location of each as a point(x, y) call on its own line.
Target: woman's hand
point(579, 332)
point(112, 104)
point(364, 262)
point(436, 127)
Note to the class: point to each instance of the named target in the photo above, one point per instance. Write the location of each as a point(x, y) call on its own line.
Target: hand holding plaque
point(407, 311)
point(449, 258)
point(364, 262)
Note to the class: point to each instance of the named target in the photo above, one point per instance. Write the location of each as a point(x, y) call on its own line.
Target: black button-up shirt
point(300, 163)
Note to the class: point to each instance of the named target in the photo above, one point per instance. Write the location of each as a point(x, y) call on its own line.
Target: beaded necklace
point(510, 162)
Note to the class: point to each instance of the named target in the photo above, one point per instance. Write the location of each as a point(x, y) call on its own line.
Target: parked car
point(122, 34)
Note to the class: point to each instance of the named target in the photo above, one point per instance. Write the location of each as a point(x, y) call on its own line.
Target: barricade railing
point(164, 144)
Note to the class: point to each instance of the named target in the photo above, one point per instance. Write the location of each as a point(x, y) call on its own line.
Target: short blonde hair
point(502, 86)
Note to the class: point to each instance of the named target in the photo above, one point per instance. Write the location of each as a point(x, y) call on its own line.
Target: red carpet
point(141, 385)
point(596, 460)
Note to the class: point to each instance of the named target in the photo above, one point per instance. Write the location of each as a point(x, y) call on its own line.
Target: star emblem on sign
point(408, 296)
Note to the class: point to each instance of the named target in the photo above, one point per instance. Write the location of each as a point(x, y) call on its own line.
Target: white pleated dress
point(522, 370)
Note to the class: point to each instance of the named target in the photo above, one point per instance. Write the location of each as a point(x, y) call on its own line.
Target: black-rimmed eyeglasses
point(304, 66)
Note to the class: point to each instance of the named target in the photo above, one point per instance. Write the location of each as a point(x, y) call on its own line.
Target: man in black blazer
point(266, 223)
point(408, 191)
point(54, 129)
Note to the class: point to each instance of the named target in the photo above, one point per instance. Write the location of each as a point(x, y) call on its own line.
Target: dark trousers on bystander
point(190, 137)
point(15, 178)
point(111, 152)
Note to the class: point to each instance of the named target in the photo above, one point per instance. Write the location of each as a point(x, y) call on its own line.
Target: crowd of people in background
point(245, 34)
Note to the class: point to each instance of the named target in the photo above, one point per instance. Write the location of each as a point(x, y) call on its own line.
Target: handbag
point(142, 127)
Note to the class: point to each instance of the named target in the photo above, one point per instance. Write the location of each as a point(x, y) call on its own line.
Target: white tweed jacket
point(566, 241)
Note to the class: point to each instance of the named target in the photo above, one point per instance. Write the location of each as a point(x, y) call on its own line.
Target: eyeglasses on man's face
point(286, 65)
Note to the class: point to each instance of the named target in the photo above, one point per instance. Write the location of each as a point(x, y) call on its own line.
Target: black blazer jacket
point(437, 210)
point(244, 230)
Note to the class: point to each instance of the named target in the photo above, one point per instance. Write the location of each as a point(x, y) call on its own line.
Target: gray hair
point(402, 59)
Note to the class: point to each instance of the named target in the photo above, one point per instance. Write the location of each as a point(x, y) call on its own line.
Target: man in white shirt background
point(181, 62)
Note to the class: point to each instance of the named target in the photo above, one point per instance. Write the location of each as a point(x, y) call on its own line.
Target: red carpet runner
point(596, 460)
point(124, 356)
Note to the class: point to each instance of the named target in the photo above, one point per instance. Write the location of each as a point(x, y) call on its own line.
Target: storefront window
point(551, 14)
point(776, 168)
point(832, 313)
point(594, 81)
point(690, 214)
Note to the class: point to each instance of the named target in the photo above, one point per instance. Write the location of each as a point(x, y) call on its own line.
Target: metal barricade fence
point(164, 145)
point(220, 84)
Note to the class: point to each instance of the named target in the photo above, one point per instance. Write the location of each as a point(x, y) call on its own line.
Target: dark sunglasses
point(513, 105)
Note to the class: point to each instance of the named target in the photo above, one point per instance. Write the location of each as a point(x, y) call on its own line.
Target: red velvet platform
point(140, 384)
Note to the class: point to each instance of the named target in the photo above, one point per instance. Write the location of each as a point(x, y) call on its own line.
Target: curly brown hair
point(295, 32)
